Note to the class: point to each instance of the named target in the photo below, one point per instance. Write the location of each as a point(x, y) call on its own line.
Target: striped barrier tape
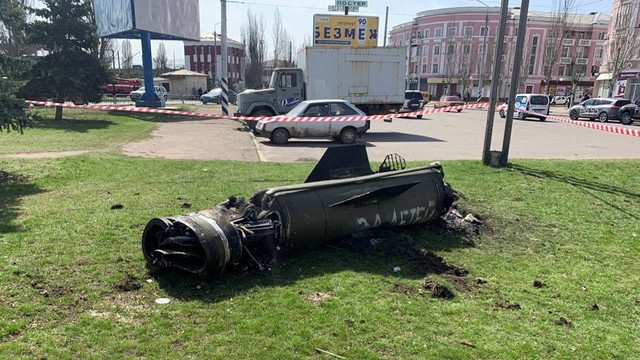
point(591, 125)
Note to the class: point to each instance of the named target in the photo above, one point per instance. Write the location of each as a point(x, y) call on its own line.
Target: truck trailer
point(373, 79)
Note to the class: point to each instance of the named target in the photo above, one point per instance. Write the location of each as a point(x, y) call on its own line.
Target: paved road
point(442, 136)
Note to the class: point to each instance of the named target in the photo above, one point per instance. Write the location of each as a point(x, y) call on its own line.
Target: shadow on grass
point(71, 125)
point(12, 188)
point(157, 118)
point(368, 254)
point(589, 187)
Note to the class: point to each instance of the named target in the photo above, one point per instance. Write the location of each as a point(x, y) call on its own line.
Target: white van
point(526, 104)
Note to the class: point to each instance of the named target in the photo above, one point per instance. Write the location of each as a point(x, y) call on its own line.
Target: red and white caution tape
point(591, 125)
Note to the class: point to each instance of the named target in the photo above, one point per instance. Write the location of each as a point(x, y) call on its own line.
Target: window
point(415, 68)
point(451, 49)
point(579, 53)
point(438, 32)
point(317, 110)
point(532, 58)
point(436, 50)
point(581, 35)
point(599, 53)
point(288, 80)
point(466, 49)
point(419, 34)
point(424, 68)
point(452, 31)
point(601, 36)
point(425, 50)
point(561, 70)
point(484, 30)
point(434, 69)
point(565, 52)
point(427, 33)
point(338, 109)
point(468, 31)
point(414, 51)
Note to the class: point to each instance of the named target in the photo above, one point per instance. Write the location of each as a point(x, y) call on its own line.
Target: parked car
point(446, 101)
point(602, 109)
point(159, 90)
point(531, 105)
point(502, 110)
point(560, 99)
point(215, 96)
point(629, 113)
point(413, 101)
point(280, 132)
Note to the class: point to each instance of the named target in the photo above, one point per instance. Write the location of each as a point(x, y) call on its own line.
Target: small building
point(204, 56)
point(185, 82)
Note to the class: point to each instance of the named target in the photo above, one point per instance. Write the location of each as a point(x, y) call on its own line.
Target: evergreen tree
point(72, 69)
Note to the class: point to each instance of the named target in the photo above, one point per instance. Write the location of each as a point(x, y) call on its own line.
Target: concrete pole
point(517, 63)
point(386, 19)
point(486, 151)
point(225, 84)
point(484, 55)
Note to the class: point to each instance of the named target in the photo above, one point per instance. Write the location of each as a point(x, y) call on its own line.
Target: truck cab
point(286, 90)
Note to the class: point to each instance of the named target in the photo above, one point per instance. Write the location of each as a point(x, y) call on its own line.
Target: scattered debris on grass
point(564, 322)
point(467, 344)
point(508, 305)
point(163, 301)
point(438, 290)
point(595, 307)
point(185, 205)
point(458, 221)
point(402, 289)
point(117, 206)
point(329, 353)
point(538, 284)
point(317, 298)
point(129, 283)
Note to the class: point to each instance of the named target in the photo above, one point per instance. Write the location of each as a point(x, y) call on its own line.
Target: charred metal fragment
point(341, 196)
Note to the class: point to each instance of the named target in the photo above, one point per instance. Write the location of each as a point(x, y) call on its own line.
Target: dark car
point(215, 96)
point(602, 109)
point(413, 101)
point(629, 113)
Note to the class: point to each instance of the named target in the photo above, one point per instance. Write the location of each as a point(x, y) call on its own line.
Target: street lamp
point(484, 50)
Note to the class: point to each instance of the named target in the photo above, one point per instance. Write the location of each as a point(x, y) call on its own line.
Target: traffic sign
point(351, 3)
point(341, 8)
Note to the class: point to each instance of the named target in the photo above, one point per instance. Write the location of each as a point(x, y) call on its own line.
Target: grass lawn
point(72, 268)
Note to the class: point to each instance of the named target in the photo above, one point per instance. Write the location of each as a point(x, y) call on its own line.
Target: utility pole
point(386, 19)
point(225, 84)
point(517, 61)
point(486, 150)
point(483, 60)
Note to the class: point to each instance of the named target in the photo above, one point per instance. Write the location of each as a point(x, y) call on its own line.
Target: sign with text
point(341, 8)
point(345, 31)
point(350, 3)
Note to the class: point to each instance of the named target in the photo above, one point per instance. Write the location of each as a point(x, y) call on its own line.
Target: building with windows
point(448, 51)
point(620, 71)
point(204, 56)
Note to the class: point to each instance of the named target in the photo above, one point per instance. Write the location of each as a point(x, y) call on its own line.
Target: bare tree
point(281, 41)
point(553, 42)
point(577, 72)
point(161, 60)
point(253, 38)
point(624, 44)
point(126, 55)
point(464, 64)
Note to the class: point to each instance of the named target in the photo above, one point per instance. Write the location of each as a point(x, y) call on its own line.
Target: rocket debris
point(341, 196)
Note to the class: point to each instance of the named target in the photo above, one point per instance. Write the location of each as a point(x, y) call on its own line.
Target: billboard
point(164, 19)
point(345, 31)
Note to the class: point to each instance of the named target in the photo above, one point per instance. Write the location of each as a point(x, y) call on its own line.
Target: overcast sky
point(298, 17)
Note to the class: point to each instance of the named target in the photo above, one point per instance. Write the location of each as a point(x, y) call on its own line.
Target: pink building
point(622, 36)
point(447, 46)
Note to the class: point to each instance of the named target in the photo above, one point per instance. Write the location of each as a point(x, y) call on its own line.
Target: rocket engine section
point(342, 196)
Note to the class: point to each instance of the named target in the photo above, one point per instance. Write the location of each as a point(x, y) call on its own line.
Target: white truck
point(373, 79)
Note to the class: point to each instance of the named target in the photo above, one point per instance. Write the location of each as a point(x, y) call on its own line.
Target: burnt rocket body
point(342, 196)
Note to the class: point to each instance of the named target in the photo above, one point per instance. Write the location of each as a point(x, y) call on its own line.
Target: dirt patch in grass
point(507, 305)
point(129, 283)
point(402, 289)
point(437, 289)
point(317, 298)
